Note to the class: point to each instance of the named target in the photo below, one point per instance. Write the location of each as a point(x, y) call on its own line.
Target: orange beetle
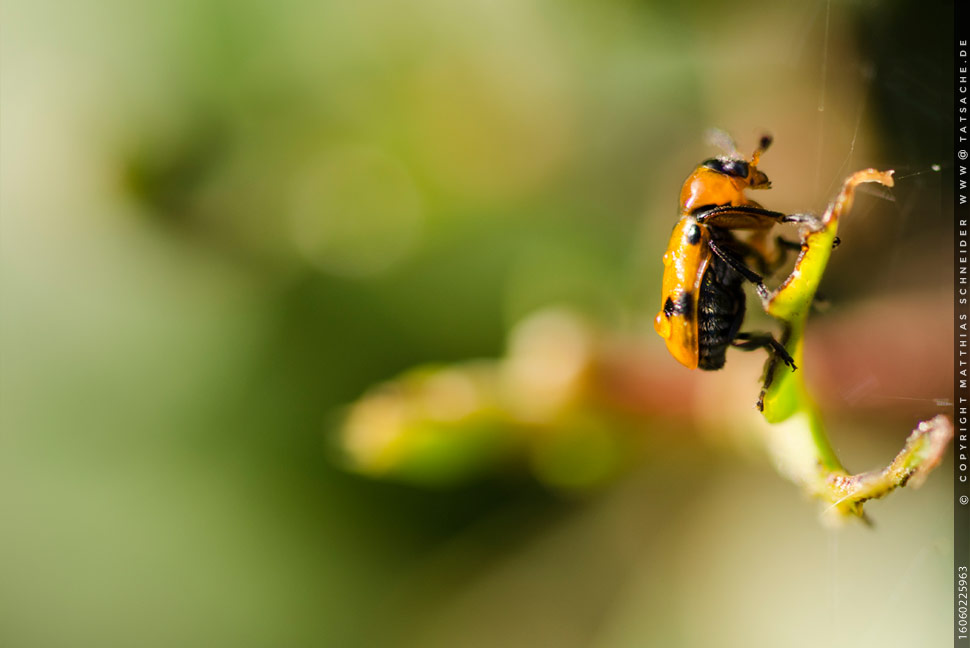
point(704, 266)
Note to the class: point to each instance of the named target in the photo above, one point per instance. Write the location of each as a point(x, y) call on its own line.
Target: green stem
point(826, 454)
point(798, 440)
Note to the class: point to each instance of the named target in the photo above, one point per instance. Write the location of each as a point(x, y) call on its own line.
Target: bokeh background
point(226, 223)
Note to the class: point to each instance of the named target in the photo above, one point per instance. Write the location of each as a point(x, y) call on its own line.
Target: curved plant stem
point(798, 440)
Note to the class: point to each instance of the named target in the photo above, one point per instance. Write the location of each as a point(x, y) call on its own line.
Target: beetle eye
point(736, 168)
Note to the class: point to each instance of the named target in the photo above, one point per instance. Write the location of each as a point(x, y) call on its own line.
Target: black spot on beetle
point(669, 307)
point(683, 305)
point(694, 234)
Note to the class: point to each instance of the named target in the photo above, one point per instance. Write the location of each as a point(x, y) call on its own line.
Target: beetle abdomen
point(720, 312)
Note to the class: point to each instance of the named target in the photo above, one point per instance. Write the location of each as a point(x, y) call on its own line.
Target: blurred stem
point(800, 444)
point(826, 454)
point(922, 452)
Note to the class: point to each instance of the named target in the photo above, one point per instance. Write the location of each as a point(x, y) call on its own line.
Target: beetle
point(702, 296)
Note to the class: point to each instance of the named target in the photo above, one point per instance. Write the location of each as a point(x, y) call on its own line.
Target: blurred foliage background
point(223, 222)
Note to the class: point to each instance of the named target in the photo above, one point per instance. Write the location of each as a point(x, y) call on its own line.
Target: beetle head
point(722, 180)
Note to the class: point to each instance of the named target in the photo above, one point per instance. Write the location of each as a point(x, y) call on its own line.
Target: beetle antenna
point(763, 145)
point(720, 139)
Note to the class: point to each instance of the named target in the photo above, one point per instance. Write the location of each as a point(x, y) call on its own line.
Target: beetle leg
point(751, 217)
point(738, 266)
point(755, 249)
point(766, 268)
point(709, 214)
point(783, 247)
point(812, 221)
point(752, 341)
point(787, 245)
